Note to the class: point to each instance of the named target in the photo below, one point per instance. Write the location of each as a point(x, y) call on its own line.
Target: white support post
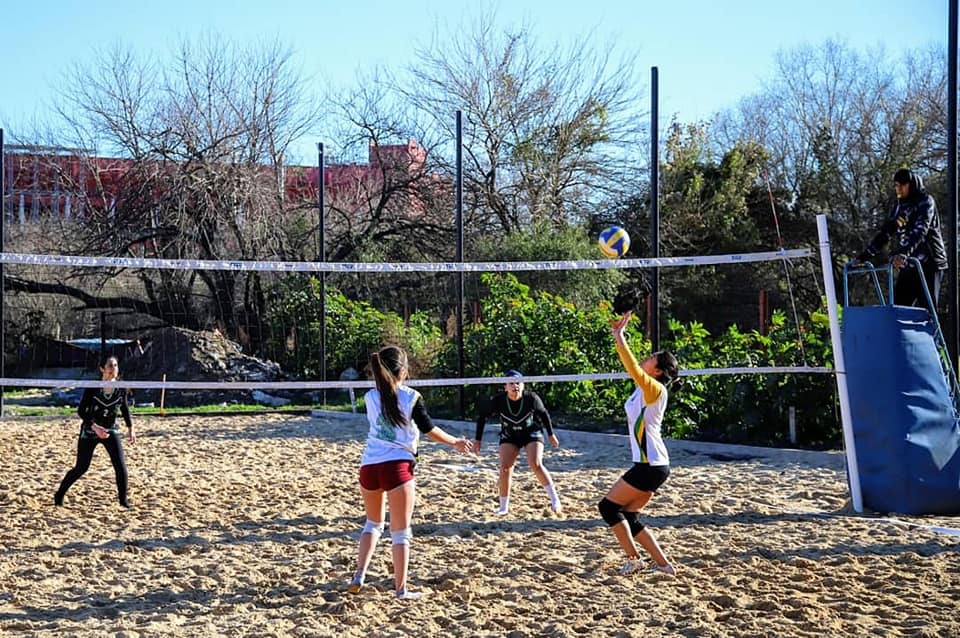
point(839, 366)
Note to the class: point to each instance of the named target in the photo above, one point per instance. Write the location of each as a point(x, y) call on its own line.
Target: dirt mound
point(185, 355)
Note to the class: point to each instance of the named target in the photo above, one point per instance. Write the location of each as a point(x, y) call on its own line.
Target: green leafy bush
point(354, 329)
point(542, 334)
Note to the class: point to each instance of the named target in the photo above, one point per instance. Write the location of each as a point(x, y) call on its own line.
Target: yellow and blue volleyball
point(614, 242)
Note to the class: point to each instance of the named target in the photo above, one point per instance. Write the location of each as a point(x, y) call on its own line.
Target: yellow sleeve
point(652, 389)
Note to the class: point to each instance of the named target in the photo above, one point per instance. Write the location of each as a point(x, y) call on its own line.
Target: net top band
point(316, 266)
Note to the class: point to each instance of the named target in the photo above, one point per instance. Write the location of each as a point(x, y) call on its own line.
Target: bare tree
point(548, 132)
point(396, 200)
point(838, 122)
point(391, 202)
point(199, 144)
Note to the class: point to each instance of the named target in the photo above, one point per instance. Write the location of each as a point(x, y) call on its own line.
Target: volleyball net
point(218, 327)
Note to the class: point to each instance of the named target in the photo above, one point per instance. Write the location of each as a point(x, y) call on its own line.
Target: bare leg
point(374, 505)
point(508, 457)
point(535, 460)
point(646, 539)
point(622, 533)
point(634, 500)
point(402, 499)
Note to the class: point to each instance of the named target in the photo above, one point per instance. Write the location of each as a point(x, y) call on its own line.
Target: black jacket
point(914, 225)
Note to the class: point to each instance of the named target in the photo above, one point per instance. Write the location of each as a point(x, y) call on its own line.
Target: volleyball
point(614, 242)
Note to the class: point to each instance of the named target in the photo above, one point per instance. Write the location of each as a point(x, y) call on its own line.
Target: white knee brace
point(402, 536)
point(374, 529)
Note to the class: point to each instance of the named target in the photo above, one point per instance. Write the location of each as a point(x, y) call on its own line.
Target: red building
point(41, 181)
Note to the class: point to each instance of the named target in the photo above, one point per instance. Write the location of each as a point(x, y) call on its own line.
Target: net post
point(3, 221)
point(322, 257)
point(953, 287)
point(655, 206)
point(830, 291)
point(459, 214)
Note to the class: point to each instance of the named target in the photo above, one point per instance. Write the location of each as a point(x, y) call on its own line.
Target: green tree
point(717, 204)
point(585, 288)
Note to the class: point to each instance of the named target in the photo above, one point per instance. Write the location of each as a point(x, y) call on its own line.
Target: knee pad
point(402, 536)
point(375, 529)
point(610, 512)
point(633, 519)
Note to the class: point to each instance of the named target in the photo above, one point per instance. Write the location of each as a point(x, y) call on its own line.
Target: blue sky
point(709, 52)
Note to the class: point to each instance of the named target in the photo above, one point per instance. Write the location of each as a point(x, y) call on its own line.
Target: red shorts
point(386, 476)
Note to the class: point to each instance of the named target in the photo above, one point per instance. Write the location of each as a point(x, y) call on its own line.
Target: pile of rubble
point(186, 355)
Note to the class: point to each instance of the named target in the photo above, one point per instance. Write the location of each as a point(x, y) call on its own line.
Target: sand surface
point(247, 526)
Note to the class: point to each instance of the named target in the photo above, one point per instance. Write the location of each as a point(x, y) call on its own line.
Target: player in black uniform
point(522, 421)
point(98, 411)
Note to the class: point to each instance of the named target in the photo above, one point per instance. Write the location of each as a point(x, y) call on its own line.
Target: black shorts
point(645, 477)
point(521, 439)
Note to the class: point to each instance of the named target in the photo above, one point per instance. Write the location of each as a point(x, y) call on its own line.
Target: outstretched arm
point(617, 327)
point(461, 444)
point(650, 386)
point(422, 419)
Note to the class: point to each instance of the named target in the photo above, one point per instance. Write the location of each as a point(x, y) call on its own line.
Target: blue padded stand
point(904, 428)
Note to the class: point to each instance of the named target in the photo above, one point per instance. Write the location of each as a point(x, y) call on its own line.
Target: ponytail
point(669, 369)
point(387, 367)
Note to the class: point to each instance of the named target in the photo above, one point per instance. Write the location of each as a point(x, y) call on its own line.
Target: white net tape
point(354, 267)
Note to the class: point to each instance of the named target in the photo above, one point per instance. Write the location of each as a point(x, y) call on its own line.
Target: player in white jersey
point(397, 415)
point(651, 464)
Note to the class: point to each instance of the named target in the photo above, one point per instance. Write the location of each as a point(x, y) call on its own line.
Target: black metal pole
point(655, 206)
point(322, 258)
point(953, 343)
point(3, 221)
point(459, 214)
point(103, 336)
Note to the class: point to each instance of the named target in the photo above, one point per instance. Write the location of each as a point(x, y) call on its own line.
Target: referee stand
point(904, 401)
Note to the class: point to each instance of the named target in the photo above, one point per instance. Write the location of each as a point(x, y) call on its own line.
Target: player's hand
point(477, 446)
point(100, 431)
point(131, 437)
point(554, 441)
point(463, 445)
point(899, 261)
point(617, 325)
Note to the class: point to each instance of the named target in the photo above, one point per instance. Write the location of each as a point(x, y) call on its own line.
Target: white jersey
point(385, 441)
point(645, 409)
point(644, 420)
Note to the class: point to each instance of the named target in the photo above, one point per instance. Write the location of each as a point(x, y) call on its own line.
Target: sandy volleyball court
point(247, 526)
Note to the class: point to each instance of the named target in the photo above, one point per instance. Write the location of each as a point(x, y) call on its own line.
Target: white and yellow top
point(645, 409)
